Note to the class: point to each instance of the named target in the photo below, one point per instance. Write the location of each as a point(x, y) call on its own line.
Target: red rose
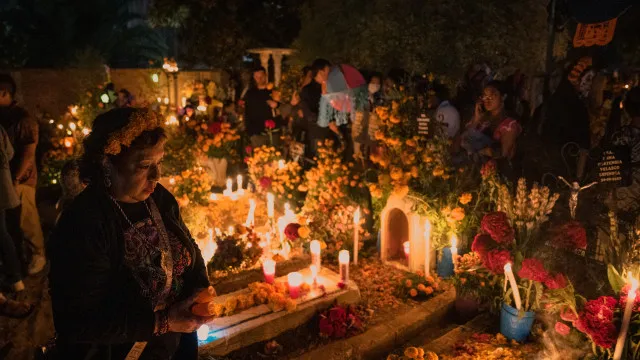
point(488, 169)
point(270, 124)
point(326, 328)
point(248, 149)
point(215, 127)
point(496, 224)
point(241, 103)
point(624, 292)
point(337, 314)
point(533, 269)
point(596, 320)
point(562, 328)
point(497, 259)
point(569, 236)
point(556, 282)
point(291, 231)
point(481, 245)
point(265, 182)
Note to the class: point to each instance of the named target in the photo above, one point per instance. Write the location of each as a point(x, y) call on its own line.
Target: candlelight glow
point(155, 78)
point(104, 98)
point(74, 110)
point(454, 241)
point(202, 108)
point(60, 126)
point(172, 181)
point(230, 231)
point(72, 126)
point(68, 143)
point(166, 101)
point(203, 331)
point(280, 164)
point(343, 257)
point(251, 216)
point(407, 247)
point(86, 131)
point(315, 247)
point(269, 266)
point(294, 279)
point(171, 120)
point(356, 216)
point(270, 200)
point(213, 196)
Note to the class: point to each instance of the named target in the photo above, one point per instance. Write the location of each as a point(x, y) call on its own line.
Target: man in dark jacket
point(259, 107)
point(310, 101)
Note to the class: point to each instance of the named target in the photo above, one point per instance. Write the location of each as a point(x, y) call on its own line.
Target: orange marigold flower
point(413, 292)
point(465, 198)
point(408, 283)
point(457, 214)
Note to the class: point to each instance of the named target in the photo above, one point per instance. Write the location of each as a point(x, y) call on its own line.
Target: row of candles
point(626, 318)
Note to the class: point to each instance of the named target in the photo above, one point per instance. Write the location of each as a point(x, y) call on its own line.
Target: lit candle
point(280, 164)
point(295, 280)
point(626, 318)
point(427, 247)
point(240, 188)
point(166, 101)
point(230, 231)
point(228, 191)
point(270, 200)
point(159, 99)
point(282, 223)
point(343, 259)
point(203, 332)
point(218, 232)
point(172, 181)
point(454, 250)
point(268, 238)
point(269, 270)
point(316, 260)
point(314, 274)
point(514, 286)
point(356, 235)
point(184, 101)
point(213, 197)
point(407, 249)
point(251, 216)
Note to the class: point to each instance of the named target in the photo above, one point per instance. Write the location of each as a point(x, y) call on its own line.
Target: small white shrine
point(403, 239)
point(277, 55)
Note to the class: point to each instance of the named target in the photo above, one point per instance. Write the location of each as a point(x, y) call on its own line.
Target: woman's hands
point(180, 318)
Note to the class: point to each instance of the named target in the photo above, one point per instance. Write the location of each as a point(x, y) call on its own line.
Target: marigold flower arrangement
point(417, 167)
point(334, 192)
point(473, 280)
point(269, 172)
point(235, 252)
point(414, 286)
point(217, 140)
point(193, 184)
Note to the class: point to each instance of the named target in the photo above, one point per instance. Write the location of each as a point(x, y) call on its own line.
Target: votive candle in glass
point(295, 280)
point(269, 269)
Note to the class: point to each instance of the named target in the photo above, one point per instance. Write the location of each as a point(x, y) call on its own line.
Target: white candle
point(218, 232)
point(427, 248)
point(343, 259)
point(228, 190)
point(230, 231)
point(203, 332)
point(240, 188)
point(316, 260)
point(268, 237)
point(407, 249)
point(251, 216)
point(454, 250)
point(626, 318)
point(166, 101)
point(280, 164)
point(314, 274)
point(294, 280)
point(356, 235)
point(514, 286)
point(270, 200)
point(269, 270)
point(213, 197)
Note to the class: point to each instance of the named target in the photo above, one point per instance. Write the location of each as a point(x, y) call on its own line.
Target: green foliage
point(421, 35)
point(615, 280)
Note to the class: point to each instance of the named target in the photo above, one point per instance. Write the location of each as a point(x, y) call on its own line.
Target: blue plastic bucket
point(514, 327)
point(445, 265)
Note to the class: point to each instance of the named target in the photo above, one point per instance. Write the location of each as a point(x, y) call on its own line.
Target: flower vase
point(514, 327)
point(217, 169)
point(445, 265)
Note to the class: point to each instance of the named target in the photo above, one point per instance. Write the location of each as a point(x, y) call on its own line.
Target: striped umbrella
point(346, 94)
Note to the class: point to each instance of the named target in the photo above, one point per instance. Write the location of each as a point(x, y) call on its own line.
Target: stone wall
point(53, 90)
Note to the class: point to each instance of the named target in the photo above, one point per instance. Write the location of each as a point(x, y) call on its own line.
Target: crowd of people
point(134, 266)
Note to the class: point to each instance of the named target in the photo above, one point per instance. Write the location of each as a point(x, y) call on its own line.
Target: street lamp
point(170, 68)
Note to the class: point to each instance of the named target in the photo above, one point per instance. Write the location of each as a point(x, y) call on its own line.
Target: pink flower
point(488, 169)
point(562, 328)
point(265, 182)
point(248, 149)
point(533, 269)
point(556, 282)
point(497, 225)
point(497, 259)
point(270, 124)
point(568, 315)
point(326, 328)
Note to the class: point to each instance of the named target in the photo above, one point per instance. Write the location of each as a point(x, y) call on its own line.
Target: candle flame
point(269, 266)
point(634, 284)
point(203, 331)
point(507, 267)
point(294, 279)
point(315, 247)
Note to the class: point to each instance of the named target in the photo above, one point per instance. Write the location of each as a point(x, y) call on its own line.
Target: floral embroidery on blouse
point(142, 255)
point(507, 125)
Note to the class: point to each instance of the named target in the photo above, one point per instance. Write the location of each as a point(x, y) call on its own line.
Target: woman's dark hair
point(498, 85)
point(92, 160)
point(319, 64)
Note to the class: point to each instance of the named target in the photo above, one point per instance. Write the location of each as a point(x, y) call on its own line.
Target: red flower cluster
point(533, 269)
point(248, 149)
point(624, 292)
point(556, 282)
point(338, 322)
point(496, 224)
point(569, 236)
point(291, 231)
point(215, 127)
point(596, 320)
point(270, 124)
point(488, 169)
point(497, 259)
point(265, 182)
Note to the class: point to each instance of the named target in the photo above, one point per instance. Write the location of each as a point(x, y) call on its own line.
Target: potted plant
point(475, 288)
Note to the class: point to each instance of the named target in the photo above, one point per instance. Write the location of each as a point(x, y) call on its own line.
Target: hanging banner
point(595, 34)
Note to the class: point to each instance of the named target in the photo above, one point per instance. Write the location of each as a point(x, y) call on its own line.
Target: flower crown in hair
point(141, 121)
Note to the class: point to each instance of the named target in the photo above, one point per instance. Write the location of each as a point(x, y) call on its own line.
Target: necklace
point(126, 217)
